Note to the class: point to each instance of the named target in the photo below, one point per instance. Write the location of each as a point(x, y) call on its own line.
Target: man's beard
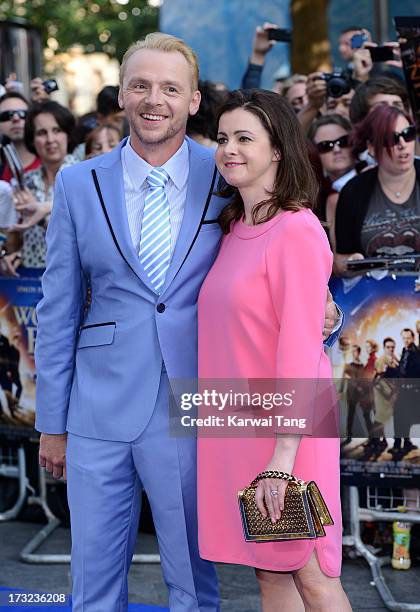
point(158, 139)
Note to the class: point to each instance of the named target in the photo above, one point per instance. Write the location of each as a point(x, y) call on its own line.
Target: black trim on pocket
point(97, 325)
point(207, 222)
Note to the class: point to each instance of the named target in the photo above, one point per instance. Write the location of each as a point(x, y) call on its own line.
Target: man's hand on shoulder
point(52, 453)
point(331, 316)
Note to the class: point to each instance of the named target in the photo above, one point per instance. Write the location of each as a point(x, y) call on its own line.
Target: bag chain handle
point(276, 474)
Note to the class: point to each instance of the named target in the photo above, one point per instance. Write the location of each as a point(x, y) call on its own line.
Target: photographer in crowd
point(327, 93)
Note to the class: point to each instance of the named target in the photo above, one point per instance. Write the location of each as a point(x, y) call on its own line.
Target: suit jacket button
point(161, 307)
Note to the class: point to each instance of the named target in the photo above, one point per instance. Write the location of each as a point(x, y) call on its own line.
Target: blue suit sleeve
point(59, 315)
point(335, 334)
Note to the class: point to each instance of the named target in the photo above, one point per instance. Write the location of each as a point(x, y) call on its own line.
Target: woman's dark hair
point(61, 114)
point(204, 122)
point(295, 185)
point(13, 94)
point(107, 100)
point(377, 129)
point(84, 125)
point(328, 120)
point(360, 102)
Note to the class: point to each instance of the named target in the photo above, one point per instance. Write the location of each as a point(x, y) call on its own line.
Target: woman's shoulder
point(69, 160)
point(361, 181)
point(299, 220)
point(299, 227)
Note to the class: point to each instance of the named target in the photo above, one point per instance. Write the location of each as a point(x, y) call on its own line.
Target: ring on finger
point(274, 492)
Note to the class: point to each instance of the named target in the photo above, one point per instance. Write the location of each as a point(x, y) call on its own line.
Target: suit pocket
point(96, 335)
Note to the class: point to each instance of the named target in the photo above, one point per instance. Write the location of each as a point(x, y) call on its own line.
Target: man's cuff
point(337, 329)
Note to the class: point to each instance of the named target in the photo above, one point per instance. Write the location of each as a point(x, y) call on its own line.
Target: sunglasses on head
point(8, 115)
point(325, 146)
point(408, 134)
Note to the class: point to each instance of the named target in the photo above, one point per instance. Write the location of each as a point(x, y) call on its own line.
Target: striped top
point(136, 170)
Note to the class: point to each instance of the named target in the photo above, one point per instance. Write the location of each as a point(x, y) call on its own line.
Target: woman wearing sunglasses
point(378, 212)
point(330, 135)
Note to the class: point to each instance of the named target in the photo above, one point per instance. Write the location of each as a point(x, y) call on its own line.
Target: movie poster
point(376, 365)
point(18, 325)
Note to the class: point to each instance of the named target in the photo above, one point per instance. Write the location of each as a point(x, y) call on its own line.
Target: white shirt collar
point(138, 169)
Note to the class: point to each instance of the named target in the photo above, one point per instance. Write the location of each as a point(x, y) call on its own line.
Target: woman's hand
point(269, 497)
point(316, 90)
point(362, 64)
point(340, 263)
point(10, 263)
point(32, 211)
point(25, 201)
point(331, 316)
point(38, 93)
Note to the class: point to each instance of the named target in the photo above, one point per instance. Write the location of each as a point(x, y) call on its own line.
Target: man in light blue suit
point(135, 230)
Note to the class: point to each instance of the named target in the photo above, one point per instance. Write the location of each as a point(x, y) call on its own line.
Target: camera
point(50, 85)
point(337, 83)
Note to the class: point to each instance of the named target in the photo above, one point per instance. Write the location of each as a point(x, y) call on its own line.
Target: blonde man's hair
point(295, 78)
point(168, 44)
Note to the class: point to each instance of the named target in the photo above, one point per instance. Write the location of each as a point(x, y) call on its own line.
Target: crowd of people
point(311, 175)
point(346, 138)
point(46, 137)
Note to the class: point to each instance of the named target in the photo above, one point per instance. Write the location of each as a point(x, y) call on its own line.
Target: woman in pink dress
point(261, 315)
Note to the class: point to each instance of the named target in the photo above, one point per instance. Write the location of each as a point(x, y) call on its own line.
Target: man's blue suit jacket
point(99, 366)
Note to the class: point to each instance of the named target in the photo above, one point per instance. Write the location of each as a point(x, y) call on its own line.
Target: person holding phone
point(351, 39)
point(260, 315)
point(49, 133)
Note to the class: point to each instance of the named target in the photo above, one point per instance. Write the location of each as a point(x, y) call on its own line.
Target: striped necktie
point(155, 238)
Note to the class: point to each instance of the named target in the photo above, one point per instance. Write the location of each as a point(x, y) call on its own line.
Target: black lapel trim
point(101, 199)
point(209, 196)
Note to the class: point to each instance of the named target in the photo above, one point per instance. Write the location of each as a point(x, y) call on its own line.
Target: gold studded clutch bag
point(304, 516)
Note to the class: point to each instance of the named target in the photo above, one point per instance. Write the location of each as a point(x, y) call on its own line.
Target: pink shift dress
point(261, 313)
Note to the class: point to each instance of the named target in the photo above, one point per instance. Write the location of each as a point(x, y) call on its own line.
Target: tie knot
point(158, 178)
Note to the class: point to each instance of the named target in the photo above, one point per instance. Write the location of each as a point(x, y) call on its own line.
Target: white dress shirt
point(136, 170)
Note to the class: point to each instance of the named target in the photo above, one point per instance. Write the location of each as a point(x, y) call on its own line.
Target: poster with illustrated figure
point(376, 365)
point(18, 325)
